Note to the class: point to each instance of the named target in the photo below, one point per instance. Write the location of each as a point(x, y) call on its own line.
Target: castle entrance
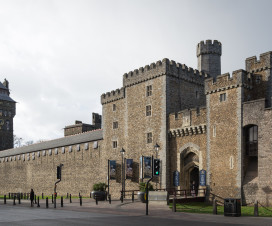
point(194, 175)
point(189, 168)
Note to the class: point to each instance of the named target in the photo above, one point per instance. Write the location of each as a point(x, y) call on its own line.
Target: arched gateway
point(190, 161)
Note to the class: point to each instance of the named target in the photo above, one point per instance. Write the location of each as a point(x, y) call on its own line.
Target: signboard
point(176, 178)
point(147, 167)
point(202, 177)
point(141, 167)
point(112, 169)
point(129, 169)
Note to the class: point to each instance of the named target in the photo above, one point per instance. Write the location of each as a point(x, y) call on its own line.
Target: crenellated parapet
point(113, 96)
point(164, 67)
point(240, 78)
point(209, 47)
point(187, 122)
point(253, 65)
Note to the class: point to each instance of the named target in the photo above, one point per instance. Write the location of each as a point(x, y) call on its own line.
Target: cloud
point(60, 56)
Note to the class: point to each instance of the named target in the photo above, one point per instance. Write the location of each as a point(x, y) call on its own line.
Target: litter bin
point(232, 207)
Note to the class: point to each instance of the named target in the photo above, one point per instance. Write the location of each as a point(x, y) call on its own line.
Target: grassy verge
point(206, 208)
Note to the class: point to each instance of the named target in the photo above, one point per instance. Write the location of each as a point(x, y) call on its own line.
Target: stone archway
point(189, 161)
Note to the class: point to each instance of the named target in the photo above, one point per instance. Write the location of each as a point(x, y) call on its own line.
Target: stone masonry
point(201, 120)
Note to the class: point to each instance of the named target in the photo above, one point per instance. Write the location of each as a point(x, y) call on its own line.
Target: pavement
point(116, 213)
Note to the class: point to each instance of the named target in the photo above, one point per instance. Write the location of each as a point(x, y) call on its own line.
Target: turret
point(209, 57)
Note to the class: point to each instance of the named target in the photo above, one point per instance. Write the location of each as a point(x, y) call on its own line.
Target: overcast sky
point(61, 55)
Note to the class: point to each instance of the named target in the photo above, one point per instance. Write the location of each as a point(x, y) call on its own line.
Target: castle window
point(214, 131)
point(176, 115)
point(252, 140)
point(258, 79)
point(149, 138)
point(197, 95)
point(115, 125)
point(148, 110)
point(149, 90)
point(95, 145)
point(7, 125)
point(114, 144)
point(222, 97)
point(114, 107)
point(231, 162)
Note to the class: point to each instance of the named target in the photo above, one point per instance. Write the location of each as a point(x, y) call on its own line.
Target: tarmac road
point(119, 214)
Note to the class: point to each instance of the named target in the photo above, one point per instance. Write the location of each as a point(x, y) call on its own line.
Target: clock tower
point(7, 113)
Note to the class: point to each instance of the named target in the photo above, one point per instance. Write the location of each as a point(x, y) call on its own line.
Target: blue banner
point(176, 178)
point(202, 177)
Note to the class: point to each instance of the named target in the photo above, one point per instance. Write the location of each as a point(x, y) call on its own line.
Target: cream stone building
point(203, 121)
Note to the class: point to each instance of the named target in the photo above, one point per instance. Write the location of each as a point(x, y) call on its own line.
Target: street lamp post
point(123, 178)
point(156, 147)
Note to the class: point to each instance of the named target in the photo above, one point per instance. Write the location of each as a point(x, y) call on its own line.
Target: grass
point(200, 207)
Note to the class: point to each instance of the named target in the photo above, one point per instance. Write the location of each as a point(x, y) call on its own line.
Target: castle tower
point(209, 57)
point(7, 113)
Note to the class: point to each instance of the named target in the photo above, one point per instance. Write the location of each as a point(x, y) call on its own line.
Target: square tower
point(7, 113)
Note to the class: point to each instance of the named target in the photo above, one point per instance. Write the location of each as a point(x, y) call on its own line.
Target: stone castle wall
point(37, 170)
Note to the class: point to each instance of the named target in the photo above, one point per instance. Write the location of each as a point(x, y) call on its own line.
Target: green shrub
point(142, 187)
point(100, 187)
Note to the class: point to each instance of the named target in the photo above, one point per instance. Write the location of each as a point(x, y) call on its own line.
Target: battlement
point(239, 78)
point(112, 96)
point(164, 67)
point(209, 47)
point(254, 65)
point(188, 122)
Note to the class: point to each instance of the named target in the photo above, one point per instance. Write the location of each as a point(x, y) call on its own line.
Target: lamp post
point(123, 178)
point(156, 147)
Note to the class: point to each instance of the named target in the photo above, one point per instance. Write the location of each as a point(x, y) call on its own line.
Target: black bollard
point(79, 194)
point(96, 200)
point(109, 199)
point(35, 199)
point(80, 200)
point(9, 195)
point(214, 207)
point(38, 205)
point(67, 195)
point(167, 199)
point(5, 199)
point(14, 197)
point(70, 198)
point(46, 202)
point(42, 196)
point(52, 199)
point(133, 196)
point(19, 200)
point(90, 195)
point(174, 209)
point(61, 201)
point(122, 197)
point(256, 210)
